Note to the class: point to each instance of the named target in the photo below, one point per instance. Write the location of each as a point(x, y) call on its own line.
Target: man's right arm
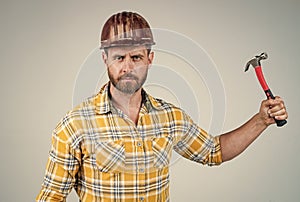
point(61, 169)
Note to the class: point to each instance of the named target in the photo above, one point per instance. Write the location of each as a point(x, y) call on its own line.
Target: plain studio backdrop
point(45, 45)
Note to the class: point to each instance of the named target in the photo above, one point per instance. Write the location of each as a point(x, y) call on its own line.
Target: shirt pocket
point(162, 150)
point(110, 156)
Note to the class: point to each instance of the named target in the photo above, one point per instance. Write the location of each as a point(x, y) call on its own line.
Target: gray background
point(44, 44)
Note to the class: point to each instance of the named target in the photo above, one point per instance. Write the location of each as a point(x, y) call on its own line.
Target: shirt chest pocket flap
point(110, 156)
point(162, 149)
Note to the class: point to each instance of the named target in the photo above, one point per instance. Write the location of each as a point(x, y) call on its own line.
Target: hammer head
point(256, 61)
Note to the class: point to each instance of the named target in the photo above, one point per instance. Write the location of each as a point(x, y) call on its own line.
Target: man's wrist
point(260, 121)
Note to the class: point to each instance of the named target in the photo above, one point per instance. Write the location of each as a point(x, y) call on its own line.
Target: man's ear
point(150, 58)
point(104, 57)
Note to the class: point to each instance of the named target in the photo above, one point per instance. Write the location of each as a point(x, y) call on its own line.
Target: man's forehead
point(127, 49)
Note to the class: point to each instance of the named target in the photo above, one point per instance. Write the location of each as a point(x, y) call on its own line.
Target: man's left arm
point(235, 142)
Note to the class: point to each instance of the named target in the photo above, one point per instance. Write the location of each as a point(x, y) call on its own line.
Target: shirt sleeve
point(62, 166)
point(199, 146)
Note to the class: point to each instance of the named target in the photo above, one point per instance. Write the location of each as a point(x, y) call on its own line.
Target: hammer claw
point(247, 66)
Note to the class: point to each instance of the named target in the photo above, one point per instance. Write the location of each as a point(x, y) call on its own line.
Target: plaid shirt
point(106, 157)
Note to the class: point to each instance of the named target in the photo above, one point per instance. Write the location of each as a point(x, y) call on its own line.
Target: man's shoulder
point(85, 108)
point(81, 111)
point(162, 104)
point(73, 121)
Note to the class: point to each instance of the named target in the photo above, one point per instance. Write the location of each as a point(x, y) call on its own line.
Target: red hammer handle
point(267, 90)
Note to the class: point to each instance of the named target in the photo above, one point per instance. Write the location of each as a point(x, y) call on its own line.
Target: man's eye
point(136, 58)
point(119, 58)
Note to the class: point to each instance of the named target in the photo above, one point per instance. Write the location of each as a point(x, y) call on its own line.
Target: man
point(116, 146)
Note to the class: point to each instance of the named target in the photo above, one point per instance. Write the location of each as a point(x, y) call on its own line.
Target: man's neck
point(129, 104)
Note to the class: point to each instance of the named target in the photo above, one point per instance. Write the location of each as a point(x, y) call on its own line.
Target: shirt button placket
point(140, 147)
point(139, 144)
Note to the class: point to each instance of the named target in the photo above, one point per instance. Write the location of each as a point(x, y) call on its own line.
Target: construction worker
point(116, 145)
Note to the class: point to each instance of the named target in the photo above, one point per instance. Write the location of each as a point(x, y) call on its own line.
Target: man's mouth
point(128, 77)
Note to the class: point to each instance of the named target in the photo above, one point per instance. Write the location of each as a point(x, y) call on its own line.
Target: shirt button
point(142, 170)
point(142, 199)
point(139, 144)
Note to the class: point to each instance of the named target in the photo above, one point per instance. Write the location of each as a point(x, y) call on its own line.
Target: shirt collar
point(103, 102)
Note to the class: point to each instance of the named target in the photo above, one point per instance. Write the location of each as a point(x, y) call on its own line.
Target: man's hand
point(235, 142)
point(270, 109)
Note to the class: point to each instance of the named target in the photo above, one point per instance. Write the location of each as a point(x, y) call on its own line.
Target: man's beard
point(127, 87)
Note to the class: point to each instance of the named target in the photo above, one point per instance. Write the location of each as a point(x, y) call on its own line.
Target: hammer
point(255, 62)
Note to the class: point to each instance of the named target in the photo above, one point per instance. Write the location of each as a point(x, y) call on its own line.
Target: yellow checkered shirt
point(98, 151)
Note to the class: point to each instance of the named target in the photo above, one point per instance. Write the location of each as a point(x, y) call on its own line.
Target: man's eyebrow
point(114, 56)
point(137, 54)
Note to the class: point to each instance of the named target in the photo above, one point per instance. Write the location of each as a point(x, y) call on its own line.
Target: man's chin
point(127, 89)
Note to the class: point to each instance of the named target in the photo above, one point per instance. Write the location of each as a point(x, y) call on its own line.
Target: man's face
point(127, 67)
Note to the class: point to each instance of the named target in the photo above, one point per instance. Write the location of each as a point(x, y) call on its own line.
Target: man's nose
point(127, 64)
